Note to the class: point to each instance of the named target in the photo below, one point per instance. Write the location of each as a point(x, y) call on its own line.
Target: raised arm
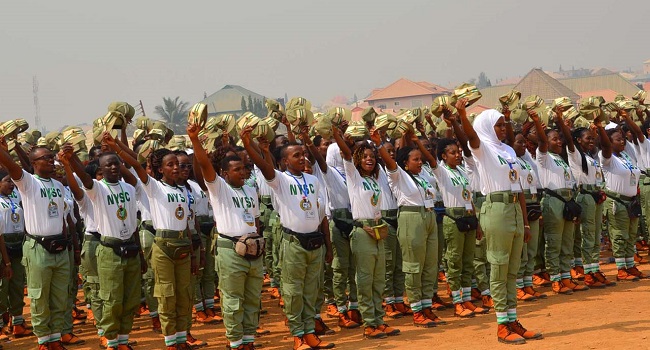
point(451, 120)
point(376, 139)
point(23, 158)
point(67, 153)
point(15, 171)
point(541, 135)
point(64, 158)
point(304, 137)
point(267, 169)
point(510, 133)
point(128, 159)
point(472, 137)
point(636, 130)
point(425, 152)
point(346, 153)
point(127, 176)
point(200, 156)
point(565, 129)
point(605, 143)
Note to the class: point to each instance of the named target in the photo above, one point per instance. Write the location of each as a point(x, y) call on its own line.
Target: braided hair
point(578, 133)
point(156, 161)
point(442, 146)
point(357, 157)
point(402, 156)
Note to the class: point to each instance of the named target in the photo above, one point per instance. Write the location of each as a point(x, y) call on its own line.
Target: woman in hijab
point(503, 218)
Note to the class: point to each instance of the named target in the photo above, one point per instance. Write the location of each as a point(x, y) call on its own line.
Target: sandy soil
point(612, 318)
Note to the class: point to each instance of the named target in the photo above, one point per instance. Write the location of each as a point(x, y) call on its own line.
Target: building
point(405, 93)
point(228, 100)
point(646, 67)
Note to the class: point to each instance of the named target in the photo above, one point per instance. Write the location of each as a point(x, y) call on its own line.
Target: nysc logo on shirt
point(374, 187)
point(295, 190)
point(49, 192)
point(121, 197)
point(243, 202)
point(502, 161)
point(175, 198)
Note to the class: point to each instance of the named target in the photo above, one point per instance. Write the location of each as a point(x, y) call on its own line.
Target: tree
point(483, 81)
point(243, 104)
point(354, 98)
point(251, 107)
point(174, 111)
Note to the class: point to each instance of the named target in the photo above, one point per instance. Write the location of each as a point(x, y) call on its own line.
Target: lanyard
point(626, 161)
point(49, 193)
point(121, 210)
point(11, 204)
point(460, 178)
point(342, 175)
point(374, 187)
point(524, 164)
point(303, 188)
point(245, 195)
point(558, 158)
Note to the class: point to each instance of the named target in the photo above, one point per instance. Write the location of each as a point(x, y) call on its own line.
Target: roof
point(599, 82)
point(405, 88)
point(607, 94)
point(648, 61)
point(476, 108)
point(537, 82)
point(228, 99)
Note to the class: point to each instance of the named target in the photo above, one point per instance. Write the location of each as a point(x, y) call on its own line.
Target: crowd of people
point(355, 219)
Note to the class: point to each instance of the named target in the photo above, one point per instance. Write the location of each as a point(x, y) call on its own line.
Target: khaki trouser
point(558, 234)
point(48, 284)
point(418, 239)
point(369, 259)
point(240, 287)
point(91, 277)
point(622, 229)
point(503, 226)
point(205, 286)
point(529, 251)
point(343, 264)
point(644, 186)
point(148, 279)
point(276, 246)
point(11, 290)
point(481, 267)
point(172, 289)
point(393, 255)
point(119, 289)
point(589, 229)
point(301, 272)
point(459, 255)
point(72, 294)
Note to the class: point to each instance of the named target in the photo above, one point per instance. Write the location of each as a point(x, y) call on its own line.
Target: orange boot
point(487, 301)
point(462, 312)
point(403, 308)
point(299, 344)
point(578, 273)
point(320, 328)
point(314, 342)
point(332, 311)
point(592, 282)
point(420, 320)
point(600, 276)
point(388, 330)
point(346, 322)
point(391, 311)
point(507, 336)
point(530, 290)
point(523, 296)
point(428, 312)
point(476, 309)
point(624, 275)
point(373, 333)
point(560, 288)
point(523, 332)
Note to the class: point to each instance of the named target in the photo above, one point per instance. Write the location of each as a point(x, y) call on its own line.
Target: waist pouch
point(391, 221)
point(377, 232)
point(250, 246)
point(633, 208)
point(571, 211)
point(534, 211)
point(196, 241)
point(465, 223)
point(14, 249)
point(598, 196)
point(206, 228)
point(345, 226)
point(309, 241)
point(53, 244)
point(124, 250)
point(177, 249)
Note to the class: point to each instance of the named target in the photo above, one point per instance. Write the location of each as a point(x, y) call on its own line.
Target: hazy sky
point(88, 53)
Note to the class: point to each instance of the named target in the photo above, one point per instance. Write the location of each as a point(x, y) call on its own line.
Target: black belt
point(148, 227)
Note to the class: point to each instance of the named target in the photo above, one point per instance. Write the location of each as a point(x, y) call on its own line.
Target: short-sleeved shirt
point(337, 190)
point(411, 190)
point(333, 157)
point(528, 178)
point(454, 186)
point(494, 170)
point(201, 205)
point(594, 175)
point(643, 154)
point(621, 174)
point(43, 204)
point(297, 198)
point(12, 218)
point(388, 200)
point(365, 194)
point(87, 212)
point(472, 172)
point(235, 209)
point(168, 204)
point(115, 208)
point(554, 172)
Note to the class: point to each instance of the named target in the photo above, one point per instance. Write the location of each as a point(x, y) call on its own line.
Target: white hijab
point(484, 127)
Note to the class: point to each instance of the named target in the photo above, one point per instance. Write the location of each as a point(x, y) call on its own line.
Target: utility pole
point(37, 108)
point(141, 106)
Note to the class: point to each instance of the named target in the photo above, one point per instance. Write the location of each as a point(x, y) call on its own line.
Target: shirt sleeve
point(92, 193)
point(606, 162)
point(25, 183)
point(542, 158)
point(278, 183)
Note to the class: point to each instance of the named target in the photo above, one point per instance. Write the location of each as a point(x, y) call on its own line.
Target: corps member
point(45, 251)
point(303, 241)
point(503, 218)
point(236, 213)
point(172, 257)
point(120, 262)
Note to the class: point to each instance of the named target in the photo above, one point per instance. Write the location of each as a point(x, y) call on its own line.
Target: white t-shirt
point(337, 191)
point(235, 209)
point(388, 200)
point(333, 157)
point(263, 186)
point(87, 212)
point(631, 151)
point(297, 198)
point(410, 193)
point(621, 174)
point(168, 204)
point(454, 186)
point(472, 173)
point(141, 199)
point(528, 177)
point(115, 208)
point(323, 197)
point(594, 174)
point(643, 154)
point(554, 172)
point(43, 204)
point(365, 194)
point(15, 196)
point(201, 204)
point(495, 170)
point(12, 218)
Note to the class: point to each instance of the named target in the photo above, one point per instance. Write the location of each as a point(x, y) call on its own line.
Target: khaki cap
point(571, 113)
point(511, 99)
point(143, 123)
point(53, 140)
point(177, 143)
point(640, 95)
point(274, 108)
point(272, 122)
point(357, 130)
point(581, 122)
point(300, 116)
point(73, 136)
point(339, 114)
point(439, 105)
point(399, 130)
point(322, 126)
point(147, 148)
point(138, 135)
point(385, 122)
point(369, 114)
point(518, 115)
point(563, 102)
point(298, 102)
point(227, 123)
point(126, 110)
point(468, 91)
point(113, 120)
point(157, 134)
point(536, 103)
point(198, 115)
point(26, 137)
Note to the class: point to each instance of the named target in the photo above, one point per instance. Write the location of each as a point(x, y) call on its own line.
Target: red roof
point(646, 86)
point(607, 94)
point(477, 109)
point(406, 88)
